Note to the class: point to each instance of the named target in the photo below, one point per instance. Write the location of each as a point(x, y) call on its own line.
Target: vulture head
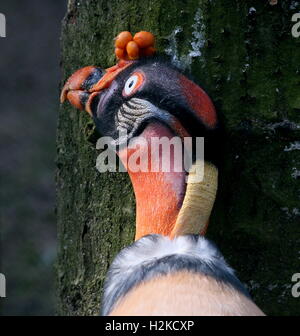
point(150, 98)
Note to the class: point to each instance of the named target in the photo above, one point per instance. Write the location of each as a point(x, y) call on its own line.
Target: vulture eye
point(133, 83)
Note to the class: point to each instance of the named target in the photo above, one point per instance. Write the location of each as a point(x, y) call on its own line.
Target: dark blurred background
point(29, 81)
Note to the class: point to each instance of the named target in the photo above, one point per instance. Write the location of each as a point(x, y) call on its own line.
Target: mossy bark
point(243, 54)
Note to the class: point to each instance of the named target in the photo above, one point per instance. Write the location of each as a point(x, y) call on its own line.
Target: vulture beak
point(86, 83)
point(168, 203)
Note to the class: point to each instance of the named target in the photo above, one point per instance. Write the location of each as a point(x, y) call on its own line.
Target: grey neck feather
point(156, 255)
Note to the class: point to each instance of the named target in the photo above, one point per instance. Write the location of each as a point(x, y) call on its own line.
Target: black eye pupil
point(130, 85)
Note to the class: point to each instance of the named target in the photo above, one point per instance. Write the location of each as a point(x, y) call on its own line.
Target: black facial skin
point(162, 89)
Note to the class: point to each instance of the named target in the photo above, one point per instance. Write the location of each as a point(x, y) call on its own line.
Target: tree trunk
point(243, 54)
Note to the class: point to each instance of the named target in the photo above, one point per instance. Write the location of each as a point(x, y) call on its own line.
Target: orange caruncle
point(120, 53)
point(144, 39)
point(122, 39)
point(132, 50)
point(147, 51)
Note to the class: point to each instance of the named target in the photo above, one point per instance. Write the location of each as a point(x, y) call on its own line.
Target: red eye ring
point(133, 83)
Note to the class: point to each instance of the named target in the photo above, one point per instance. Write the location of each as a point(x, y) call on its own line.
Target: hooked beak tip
point(63, 95)
point(86, 83)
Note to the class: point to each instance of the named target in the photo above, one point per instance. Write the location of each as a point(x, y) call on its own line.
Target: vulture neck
point(159, 195)
point(168, 202)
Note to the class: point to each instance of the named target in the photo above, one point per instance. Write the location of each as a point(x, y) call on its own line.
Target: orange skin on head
point(199, 102)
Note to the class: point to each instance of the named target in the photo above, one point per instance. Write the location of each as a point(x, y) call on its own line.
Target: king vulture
point(170, 269)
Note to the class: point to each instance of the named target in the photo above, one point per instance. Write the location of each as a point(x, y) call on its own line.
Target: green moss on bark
point(249, 65)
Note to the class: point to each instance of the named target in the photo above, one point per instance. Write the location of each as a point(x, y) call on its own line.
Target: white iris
point(130, 84)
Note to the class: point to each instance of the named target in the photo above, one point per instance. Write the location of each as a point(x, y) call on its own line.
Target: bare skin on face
point(185, 294)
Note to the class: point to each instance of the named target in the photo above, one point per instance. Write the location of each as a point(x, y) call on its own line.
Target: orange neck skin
point(159, 195)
